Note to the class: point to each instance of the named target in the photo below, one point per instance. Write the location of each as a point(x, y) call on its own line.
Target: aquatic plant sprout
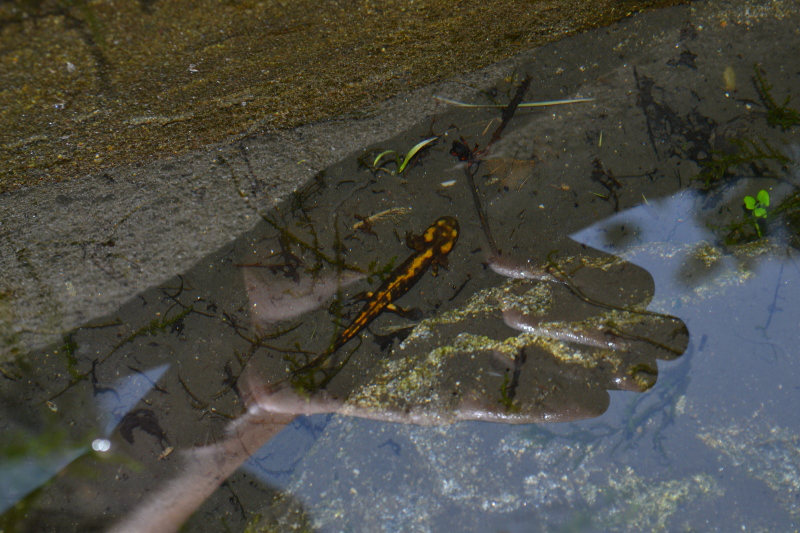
point(403, 160)
point(757, 207)
point(758, 204)
point(402, 164)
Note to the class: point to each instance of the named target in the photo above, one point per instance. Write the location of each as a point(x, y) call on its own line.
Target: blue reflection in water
point(749, 298)
point(276, 460)
point(21, 476)
point(120, 399)
point(668, 221)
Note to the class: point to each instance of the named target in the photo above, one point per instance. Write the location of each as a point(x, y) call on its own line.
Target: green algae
point(636, 503)
point(771, 456)
point(427, 373)
point(778, 115)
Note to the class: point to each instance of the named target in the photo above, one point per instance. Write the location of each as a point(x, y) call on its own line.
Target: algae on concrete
point(93, 85)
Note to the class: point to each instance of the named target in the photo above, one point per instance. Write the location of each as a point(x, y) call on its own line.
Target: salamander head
point(442, 235)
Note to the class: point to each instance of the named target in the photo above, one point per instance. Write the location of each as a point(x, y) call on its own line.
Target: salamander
point(431, 249)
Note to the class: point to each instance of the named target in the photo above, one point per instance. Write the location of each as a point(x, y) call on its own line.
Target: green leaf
point(749, 202)
point(411, 153)
point(381, 155)
point(760, 212)
point(763, 198)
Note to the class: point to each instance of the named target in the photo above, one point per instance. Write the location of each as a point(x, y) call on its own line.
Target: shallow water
point(713, 441)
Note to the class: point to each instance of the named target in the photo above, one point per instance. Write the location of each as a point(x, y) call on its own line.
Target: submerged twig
point(510, 109)
point(473, 160)
point(391, 213)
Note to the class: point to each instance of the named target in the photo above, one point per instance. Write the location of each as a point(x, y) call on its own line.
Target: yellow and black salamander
point(431, 249)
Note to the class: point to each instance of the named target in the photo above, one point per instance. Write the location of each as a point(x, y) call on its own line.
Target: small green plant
point(400, 160)
point(758, 208)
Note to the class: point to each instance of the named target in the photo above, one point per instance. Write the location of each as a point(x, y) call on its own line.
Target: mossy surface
point(92, 85)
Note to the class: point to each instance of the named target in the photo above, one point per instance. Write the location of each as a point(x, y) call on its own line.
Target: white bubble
point(101, 445)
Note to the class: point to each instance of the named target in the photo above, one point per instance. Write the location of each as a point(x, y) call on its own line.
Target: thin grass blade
point(411, 153)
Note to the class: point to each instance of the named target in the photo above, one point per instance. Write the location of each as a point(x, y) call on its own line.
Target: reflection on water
point(216, 362)
point(677, 252)
point(576, 309)
point(34, 456)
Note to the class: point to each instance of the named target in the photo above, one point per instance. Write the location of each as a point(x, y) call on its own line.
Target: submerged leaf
point(763, 198)
point(380, 156)
point(411, 153)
